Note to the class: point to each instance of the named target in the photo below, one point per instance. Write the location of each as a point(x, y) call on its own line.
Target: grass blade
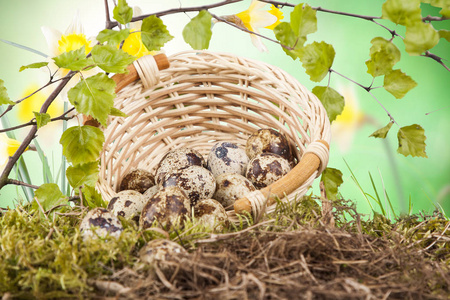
point(24, 48)
point(378, 200)
point(359, 186)
point(47, 173)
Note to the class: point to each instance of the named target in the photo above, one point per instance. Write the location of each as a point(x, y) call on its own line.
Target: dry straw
point(205, 97)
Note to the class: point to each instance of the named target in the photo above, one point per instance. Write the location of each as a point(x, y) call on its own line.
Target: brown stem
point(32, 133)
point(249, 31)
point(108, 18)
point(32, 122)
point(177, 10)
point(18, 182)
point(436, 58)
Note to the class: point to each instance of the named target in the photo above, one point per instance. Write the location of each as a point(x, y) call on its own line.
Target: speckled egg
point(226, 157)
point(162, 253)
point(197, 182)
point(150, 192)
point(178, 159)
point(127, 204)
point(170, 207)
point(230, 187)
point(266, 168)
point(138, 180)
point(212, 214)
point(98, 223)
point(268, 140)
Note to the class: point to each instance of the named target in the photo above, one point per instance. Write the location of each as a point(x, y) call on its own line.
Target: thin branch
point(108, 18)
point(177, 10)
point(33, 122)
point(436, 58)
point(249, 31)
point(368, 89)
point(433, 18)
point(32, 133)
point(18, 182)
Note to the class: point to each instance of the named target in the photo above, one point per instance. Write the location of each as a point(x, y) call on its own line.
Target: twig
point(367, 88)
point(249, 31)
point(177, 10)
point(33, 122)
point(18, 182)
point(436, 58)
point(32, 133)
point(108, 19)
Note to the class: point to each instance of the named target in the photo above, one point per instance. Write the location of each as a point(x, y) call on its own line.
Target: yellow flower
point(133, 43)
point(72, 39)
point(344, 128)
point(254, 18)
point(26, 107)
point(7, 148)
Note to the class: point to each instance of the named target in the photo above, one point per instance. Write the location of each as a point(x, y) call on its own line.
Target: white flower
point(254, 17)
point(72, 39)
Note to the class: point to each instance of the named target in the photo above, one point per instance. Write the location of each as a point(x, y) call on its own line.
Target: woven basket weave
point(205, 97)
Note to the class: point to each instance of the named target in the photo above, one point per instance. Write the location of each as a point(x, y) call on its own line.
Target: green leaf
point(317, 59)
point(403, 12)
point(382, 132)
point(4, 98)
point(82, 144)
point(41, 119)
point(34, 66)
point(444, 4)
point(154, 33)
point(197, 33)
point(411, 141)
point(332, 179)
point(285, 35)
point(94, 96)
point(92, 198)
point(444, 34)
point(419, 38)
point(117, 113)
point(332, 101)
point(74, 60)
point(383, 56)
point(49, 195)
point(113, 37)
point(122, 13)
point(111, 59)
point(398, 83)
point(303, 20)
point(83, 174)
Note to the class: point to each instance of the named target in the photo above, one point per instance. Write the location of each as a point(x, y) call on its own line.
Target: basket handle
point(122, 80)
point(309, 163)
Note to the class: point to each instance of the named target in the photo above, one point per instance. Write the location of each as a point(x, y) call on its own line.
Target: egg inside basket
point(205, 97)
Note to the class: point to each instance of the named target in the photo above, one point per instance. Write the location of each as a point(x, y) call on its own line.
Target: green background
point(425, 180)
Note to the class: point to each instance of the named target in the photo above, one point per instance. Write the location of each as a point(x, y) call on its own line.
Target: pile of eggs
point(184, 182)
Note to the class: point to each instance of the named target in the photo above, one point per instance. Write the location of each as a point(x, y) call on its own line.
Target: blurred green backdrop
point(426, 181)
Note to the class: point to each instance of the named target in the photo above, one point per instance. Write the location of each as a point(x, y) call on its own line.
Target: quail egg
point(197, 182)
point(231, 187)
point(266, 168)
point(268, 140)
point(127, 204)
point(162, 253)
point(169, 207)
point(212, 214)
point(98, 223)
point(138, 180)
point(226, 157)
point(177, 159)
point(150, 192)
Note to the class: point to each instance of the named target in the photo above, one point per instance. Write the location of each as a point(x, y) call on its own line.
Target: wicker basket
point(205, 97)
